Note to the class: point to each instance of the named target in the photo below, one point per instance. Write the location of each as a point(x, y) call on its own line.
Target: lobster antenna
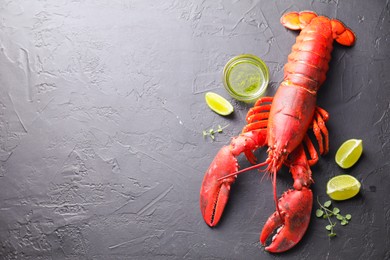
point(256, 166)
point(276, 196)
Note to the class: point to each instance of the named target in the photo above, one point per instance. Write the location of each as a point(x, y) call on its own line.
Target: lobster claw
point(295, 209)
point(214, 192)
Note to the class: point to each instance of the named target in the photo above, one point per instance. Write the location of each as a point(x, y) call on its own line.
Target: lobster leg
point(214, 192)
point(321, 119)
point(295, 208)
point(257, 116)
point(312, 151)
point(319, 129)
point(260, 105)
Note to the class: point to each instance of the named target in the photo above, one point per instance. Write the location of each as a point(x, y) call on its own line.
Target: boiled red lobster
point(282, 123)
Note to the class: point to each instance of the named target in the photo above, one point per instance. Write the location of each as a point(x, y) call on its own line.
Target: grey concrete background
point(101, 118)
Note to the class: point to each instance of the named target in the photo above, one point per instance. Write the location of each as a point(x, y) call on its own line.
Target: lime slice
point(342, 187)
point(349, 153)
point(218, 104)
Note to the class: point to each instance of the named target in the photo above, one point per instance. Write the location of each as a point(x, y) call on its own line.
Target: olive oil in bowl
point(246, 77)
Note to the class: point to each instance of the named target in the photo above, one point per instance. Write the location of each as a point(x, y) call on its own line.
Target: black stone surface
point(101, 117)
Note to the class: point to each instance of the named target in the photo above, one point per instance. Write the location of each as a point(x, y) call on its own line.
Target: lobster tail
point(308, 62)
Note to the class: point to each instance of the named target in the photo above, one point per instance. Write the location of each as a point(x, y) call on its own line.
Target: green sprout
point(325, 211)
point(211, 132)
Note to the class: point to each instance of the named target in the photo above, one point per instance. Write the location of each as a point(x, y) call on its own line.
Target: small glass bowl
point(246, 77)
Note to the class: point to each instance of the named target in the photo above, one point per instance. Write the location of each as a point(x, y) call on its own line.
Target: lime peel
point(349, 153)
point(218, 104)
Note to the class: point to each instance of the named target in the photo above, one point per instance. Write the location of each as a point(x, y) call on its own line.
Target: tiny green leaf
point(326, 211)
point(328, 215)
point(319, 213)
point(211, 132)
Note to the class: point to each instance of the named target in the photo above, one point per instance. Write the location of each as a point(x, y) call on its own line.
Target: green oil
point(245, 78)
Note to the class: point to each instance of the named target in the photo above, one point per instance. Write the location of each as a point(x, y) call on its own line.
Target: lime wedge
point(342, 187)
point(349, 153)
point(218, 104)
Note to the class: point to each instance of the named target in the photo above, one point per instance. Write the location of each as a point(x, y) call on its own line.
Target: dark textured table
point(101, 118)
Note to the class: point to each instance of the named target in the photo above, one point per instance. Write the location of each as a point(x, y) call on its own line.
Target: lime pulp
point(349, 153)
point(218, 104)
point(342, 187)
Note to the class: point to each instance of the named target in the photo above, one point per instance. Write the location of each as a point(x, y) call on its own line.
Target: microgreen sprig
point(325, 211)
point(211, 132)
